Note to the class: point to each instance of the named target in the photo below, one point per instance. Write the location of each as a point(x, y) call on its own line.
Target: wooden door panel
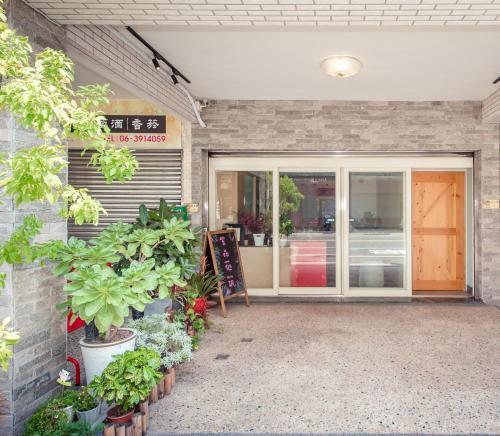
point(438, 231)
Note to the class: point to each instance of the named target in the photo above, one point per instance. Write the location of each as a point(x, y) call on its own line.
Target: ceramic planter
point(119, 419)
point(97, 355)
point(258, 239)
point(89, 416)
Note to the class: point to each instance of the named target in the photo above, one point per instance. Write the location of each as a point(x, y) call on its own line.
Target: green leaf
point(143, 214)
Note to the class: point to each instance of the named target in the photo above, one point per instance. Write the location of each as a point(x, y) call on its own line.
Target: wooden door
point(438, 231)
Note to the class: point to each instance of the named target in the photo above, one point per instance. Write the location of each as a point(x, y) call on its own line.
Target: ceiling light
point(341, 66)
point(156, 64)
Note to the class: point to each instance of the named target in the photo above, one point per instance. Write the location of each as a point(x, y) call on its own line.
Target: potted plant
point(87, 406)
point(253, 225)
point(180, 248)
point(67, 399)
point(127, 381)
point(203, 284)
point(109, 275)
point(168, 339)
point(47, 418)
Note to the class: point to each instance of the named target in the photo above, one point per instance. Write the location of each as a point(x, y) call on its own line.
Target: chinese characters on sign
point(223, 258)
point(136, 123)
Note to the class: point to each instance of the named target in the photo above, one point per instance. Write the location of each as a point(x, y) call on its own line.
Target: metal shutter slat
point(159, 176)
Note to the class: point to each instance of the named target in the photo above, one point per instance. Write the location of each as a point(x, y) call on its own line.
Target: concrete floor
point(341, 368)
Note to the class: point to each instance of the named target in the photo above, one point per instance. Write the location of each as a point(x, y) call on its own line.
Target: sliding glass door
point(376, 232)
point(317, 229)
point(308, 255)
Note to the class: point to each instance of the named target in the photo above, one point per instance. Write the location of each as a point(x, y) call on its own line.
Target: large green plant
point(128, 379)
point(37, 90)
point(117, 270)
point(181, 250)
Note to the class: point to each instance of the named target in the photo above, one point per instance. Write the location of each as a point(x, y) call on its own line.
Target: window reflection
point(376, 230)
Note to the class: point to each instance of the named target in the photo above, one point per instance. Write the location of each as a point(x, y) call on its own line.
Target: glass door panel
point(307, 228)
point(244, 201)
point(377, 233)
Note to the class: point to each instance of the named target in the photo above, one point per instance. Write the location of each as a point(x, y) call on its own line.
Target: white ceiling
point(415, 65)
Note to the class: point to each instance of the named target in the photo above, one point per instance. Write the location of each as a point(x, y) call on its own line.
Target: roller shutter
point(159, 176)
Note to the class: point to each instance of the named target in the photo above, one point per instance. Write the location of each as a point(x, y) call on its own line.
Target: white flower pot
point(90, 416)
point(258, 239)
point(96, 356)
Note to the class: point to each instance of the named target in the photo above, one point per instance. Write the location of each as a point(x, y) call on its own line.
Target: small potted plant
point(203, 284)
point(67, 399)
point(168, 339)
point(254, 225)
point(87, 406)
point(47, 418)
point(127, 381)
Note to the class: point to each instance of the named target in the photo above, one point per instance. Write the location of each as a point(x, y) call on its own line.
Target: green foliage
point(46, 420)
point(18, 249)
point(290, 200)
point(182, 249)
point(98, 294)
point(8, 339)
point(37, 89)
point(114, 163)
point(81, 206)
point(102, 294)
point(34, 174)
point(77, 428)
point(85, 400)
point(290, 196)
point(169, 340)
point(128, 379)
point(68, 397)
point(204, 283)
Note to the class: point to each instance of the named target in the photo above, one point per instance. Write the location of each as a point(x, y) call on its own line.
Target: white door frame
point(305, 291)
point(406, 290)
point(341, 166)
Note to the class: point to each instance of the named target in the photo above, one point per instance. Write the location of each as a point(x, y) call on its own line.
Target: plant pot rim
point(112, 417)
point(88, 410)
point(85, 344)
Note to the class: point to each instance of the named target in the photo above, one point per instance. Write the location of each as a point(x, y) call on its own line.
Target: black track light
point(496, 80)
point(156, 64)
point(174, 79)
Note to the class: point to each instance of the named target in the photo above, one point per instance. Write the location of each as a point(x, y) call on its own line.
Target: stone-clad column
point(32, 291)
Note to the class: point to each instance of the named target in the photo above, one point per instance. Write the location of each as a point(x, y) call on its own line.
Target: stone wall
point(363, 126)
point(32, 291)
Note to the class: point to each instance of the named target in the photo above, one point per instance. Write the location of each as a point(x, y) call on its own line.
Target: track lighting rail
point(157, 56)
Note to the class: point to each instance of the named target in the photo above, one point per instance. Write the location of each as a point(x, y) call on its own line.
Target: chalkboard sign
point(222, 256)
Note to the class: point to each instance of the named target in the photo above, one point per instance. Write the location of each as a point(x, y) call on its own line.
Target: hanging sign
point(139, 124)
point(223, 258)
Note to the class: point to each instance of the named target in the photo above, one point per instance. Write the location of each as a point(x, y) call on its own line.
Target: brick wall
point(363, 126)
point(105, 50)
point(32, 292)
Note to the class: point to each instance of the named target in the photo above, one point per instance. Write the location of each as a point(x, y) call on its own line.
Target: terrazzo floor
point(341, 369)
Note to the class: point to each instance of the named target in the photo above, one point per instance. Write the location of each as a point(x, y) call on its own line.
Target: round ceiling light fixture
point(341, 66)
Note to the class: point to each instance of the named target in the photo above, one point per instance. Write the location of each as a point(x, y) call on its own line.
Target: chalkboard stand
point(211, 263)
